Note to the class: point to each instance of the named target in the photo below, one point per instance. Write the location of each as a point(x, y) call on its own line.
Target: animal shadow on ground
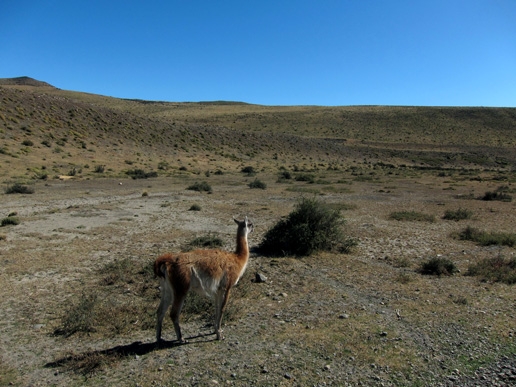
point(90, 361)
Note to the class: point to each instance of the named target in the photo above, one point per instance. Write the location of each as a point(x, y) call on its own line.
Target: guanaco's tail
point(160, 265)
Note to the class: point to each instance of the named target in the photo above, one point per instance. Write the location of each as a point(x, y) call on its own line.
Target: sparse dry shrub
point(200, 187)
point(459, 214)
point(141, 174)
point(412, 216)
point(500, 194)
point(496, 269)
point(257, 184)
point(10, 221)
point(485, 238)
point(438, 266)
point(99, 168)
point(79, 317)
point(284, 175)
point(19, 188)
point(403, 278)
point(306, 177)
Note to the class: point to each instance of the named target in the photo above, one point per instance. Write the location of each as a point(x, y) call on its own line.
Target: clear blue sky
point(282, 52)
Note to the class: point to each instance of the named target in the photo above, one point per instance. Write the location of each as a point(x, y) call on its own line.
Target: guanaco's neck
point(242, 248)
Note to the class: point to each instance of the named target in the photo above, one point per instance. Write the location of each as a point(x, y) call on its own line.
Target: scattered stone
point(287, 376)
point(259, 278)
point(344, 316)
point(327, 367)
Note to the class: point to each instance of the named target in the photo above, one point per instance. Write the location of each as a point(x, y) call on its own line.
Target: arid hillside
point(45, 131)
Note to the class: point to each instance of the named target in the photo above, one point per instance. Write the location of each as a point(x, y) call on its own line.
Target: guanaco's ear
point(236, 221)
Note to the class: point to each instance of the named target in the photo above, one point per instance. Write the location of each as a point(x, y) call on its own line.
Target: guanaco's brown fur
point(209, 272)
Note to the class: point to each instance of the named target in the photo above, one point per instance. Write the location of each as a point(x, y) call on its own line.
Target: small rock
point(260, 278)
point(383, 334)
point(327, 367)
point(287, 376)
point(344, 316)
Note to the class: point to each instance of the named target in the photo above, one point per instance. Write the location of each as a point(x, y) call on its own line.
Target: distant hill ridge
point(24, 81)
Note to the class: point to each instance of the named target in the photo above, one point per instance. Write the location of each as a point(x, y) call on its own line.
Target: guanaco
point(208, 272)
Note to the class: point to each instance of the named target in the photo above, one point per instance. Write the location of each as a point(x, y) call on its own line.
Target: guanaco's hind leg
point(166, 300)
point(175, 312)
point(221, 300)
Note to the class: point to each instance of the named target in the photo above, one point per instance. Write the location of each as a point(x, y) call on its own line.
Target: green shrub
point(141, 174)
point(484, 238)
point(27, 143)
point(257, 184)
point(438, 266)
point(206, 241)
point(312, 226)
point(200, 186)
point(496, 269)
point(10, 221)
point(100, 168)
point(19, 188)
point(305, 177)
point(284, 175)
point(249, 171)
point(195, 207)
point(500, 194)
point(457, 215)
point(411, 216)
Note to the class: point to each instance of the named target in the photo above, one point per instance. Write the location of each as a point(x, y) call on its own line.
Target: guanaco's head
point(244, 226)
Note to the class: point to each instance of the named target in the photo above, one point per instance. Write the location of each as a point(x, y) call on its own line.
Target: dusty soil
point(364, 318)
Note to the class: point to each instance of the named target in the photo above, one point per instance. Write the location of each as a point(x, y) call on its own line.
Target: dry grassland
point(84, 249)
